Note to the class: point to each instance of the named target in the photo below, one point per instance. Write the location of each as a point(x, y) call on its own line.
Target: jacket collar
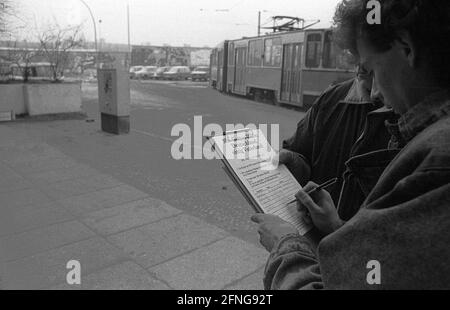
point(426, 113)
point(354, 96)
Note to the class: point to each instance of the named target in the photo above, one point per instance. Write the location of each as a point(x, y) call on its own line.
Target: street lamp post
point(100, 43)
point(130, 50)
point(95, 30)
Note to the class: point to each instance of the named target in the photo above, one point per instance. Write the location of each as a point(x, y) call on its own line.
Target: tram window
point(329, 52)
point(313, 50)
point(231, 54)
point(255, 53)
point(214, 58)
point(220, 60)
point(272, 52)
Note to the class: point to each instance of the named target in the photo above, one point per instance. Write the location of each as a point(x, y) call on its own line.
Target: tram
point(292, 67)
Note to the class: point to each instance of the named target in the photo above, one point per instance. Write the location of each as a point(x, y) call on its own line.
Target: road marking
point(187, 86)
point(165, 138)
point(153, 135)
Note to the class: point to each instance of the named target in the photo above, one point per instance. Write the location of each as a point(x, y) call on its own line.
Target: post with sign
point(114, 100)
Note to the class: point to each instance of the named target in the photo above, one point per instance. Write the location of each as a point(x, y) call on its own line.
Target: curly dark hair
point(427, 22)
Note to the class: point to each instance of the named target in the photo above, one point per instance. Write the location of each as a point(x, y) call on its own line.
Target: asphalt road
point(143, 158)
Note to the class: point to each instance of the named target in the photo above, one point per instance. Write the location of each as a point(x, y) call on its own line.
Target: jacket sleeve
point(302, 141)
point(406, 231)
point(292, 265)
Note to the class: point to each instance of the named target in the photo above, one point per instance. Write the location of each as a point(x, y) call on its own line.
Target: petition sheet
point(250, 155)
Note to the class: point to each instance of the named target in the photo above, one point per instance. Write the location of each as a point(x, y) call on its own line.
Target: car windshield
point(174, 70)
point(202, 69)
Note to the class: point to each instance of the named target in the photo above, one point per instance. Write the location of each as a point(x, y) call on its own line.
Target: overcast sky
point(174, 22)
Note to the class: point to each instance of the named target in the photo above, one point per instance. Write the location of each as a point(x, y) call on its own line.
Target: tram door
point(220, 70)
point(239, 74)
point(291, 77)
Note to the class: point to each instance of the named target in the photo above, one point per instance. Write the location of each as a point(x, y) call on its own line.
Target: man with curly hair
point(404, 224)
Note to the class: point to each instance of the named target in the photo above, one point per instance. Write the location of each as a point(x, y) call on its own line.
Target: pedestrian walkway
point(54, 209)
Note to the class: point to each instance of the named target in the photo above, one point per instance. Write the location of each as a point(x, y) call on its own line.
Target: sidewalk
point(54, 209)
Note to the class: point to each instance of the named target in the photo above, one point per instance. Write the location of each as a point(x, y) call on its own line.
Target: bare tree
point(5, 11)
point(55, 44)
point(10, 19)
point(22, 55)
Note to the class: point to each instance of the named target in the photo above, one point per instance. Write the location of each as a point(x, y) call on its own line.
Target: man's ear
point(406, 46)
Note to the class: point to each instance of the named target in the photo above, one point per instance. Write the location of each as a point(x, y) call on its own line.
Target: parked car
point(133, 71)
point(200, 74)
point(159, 74)
point(178, 73)
point(146, 72)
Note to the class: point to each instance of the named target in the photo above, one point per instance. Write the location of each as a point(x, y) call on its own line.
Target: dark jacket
point(327, 135)
point(369, 157)
point(404, 224)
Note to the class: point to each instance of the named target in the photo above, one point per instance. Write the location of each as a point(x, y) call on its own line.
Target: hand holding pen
point(320, 209)
point(319, 188)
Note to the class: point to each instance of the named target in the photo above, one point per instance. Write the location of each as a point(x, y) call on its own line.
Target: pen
point(319, 188)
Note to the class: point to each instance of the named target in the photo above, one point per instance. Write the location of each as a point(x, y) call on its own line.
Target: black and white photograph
point(223, 150)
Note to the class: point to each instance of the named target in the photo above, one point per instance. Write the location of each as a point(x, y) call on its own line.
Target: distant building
point(200, 57)
point(78, 60)
point(166, 55)
point(86, 57)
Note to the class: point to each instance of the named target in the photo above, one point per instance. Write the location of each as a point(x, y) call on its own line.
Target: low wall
point(40, 98)
point(12, 99)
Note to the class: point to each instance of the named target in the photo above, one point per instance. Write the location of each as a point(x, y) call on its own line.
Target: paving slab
point(158, 242)
point(42, 165)
point(80, 186)
point(23, 197)
point(117, 219)
point(7, 134)
point(48, 269)
point(58, 175)
point(44, 239)
point(123, 276)
point(107, 198)
point(16, 155)
point(11, 181)
point(16, 144)
point(23, 218)
point(212, 267)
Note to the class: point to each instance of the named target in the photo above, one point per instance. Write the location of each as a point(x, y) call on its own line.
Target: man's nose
point(375, 94)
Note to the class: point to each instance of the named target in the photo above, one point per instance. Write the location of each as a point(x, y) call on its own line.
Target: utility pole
point(100, 35)
point(259, 23)
point(129, 39)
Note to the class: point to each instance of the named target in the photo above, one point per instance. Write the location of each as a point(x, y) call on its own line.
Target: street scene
point(121, 208)
point(232, 146)
point(138, 218)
